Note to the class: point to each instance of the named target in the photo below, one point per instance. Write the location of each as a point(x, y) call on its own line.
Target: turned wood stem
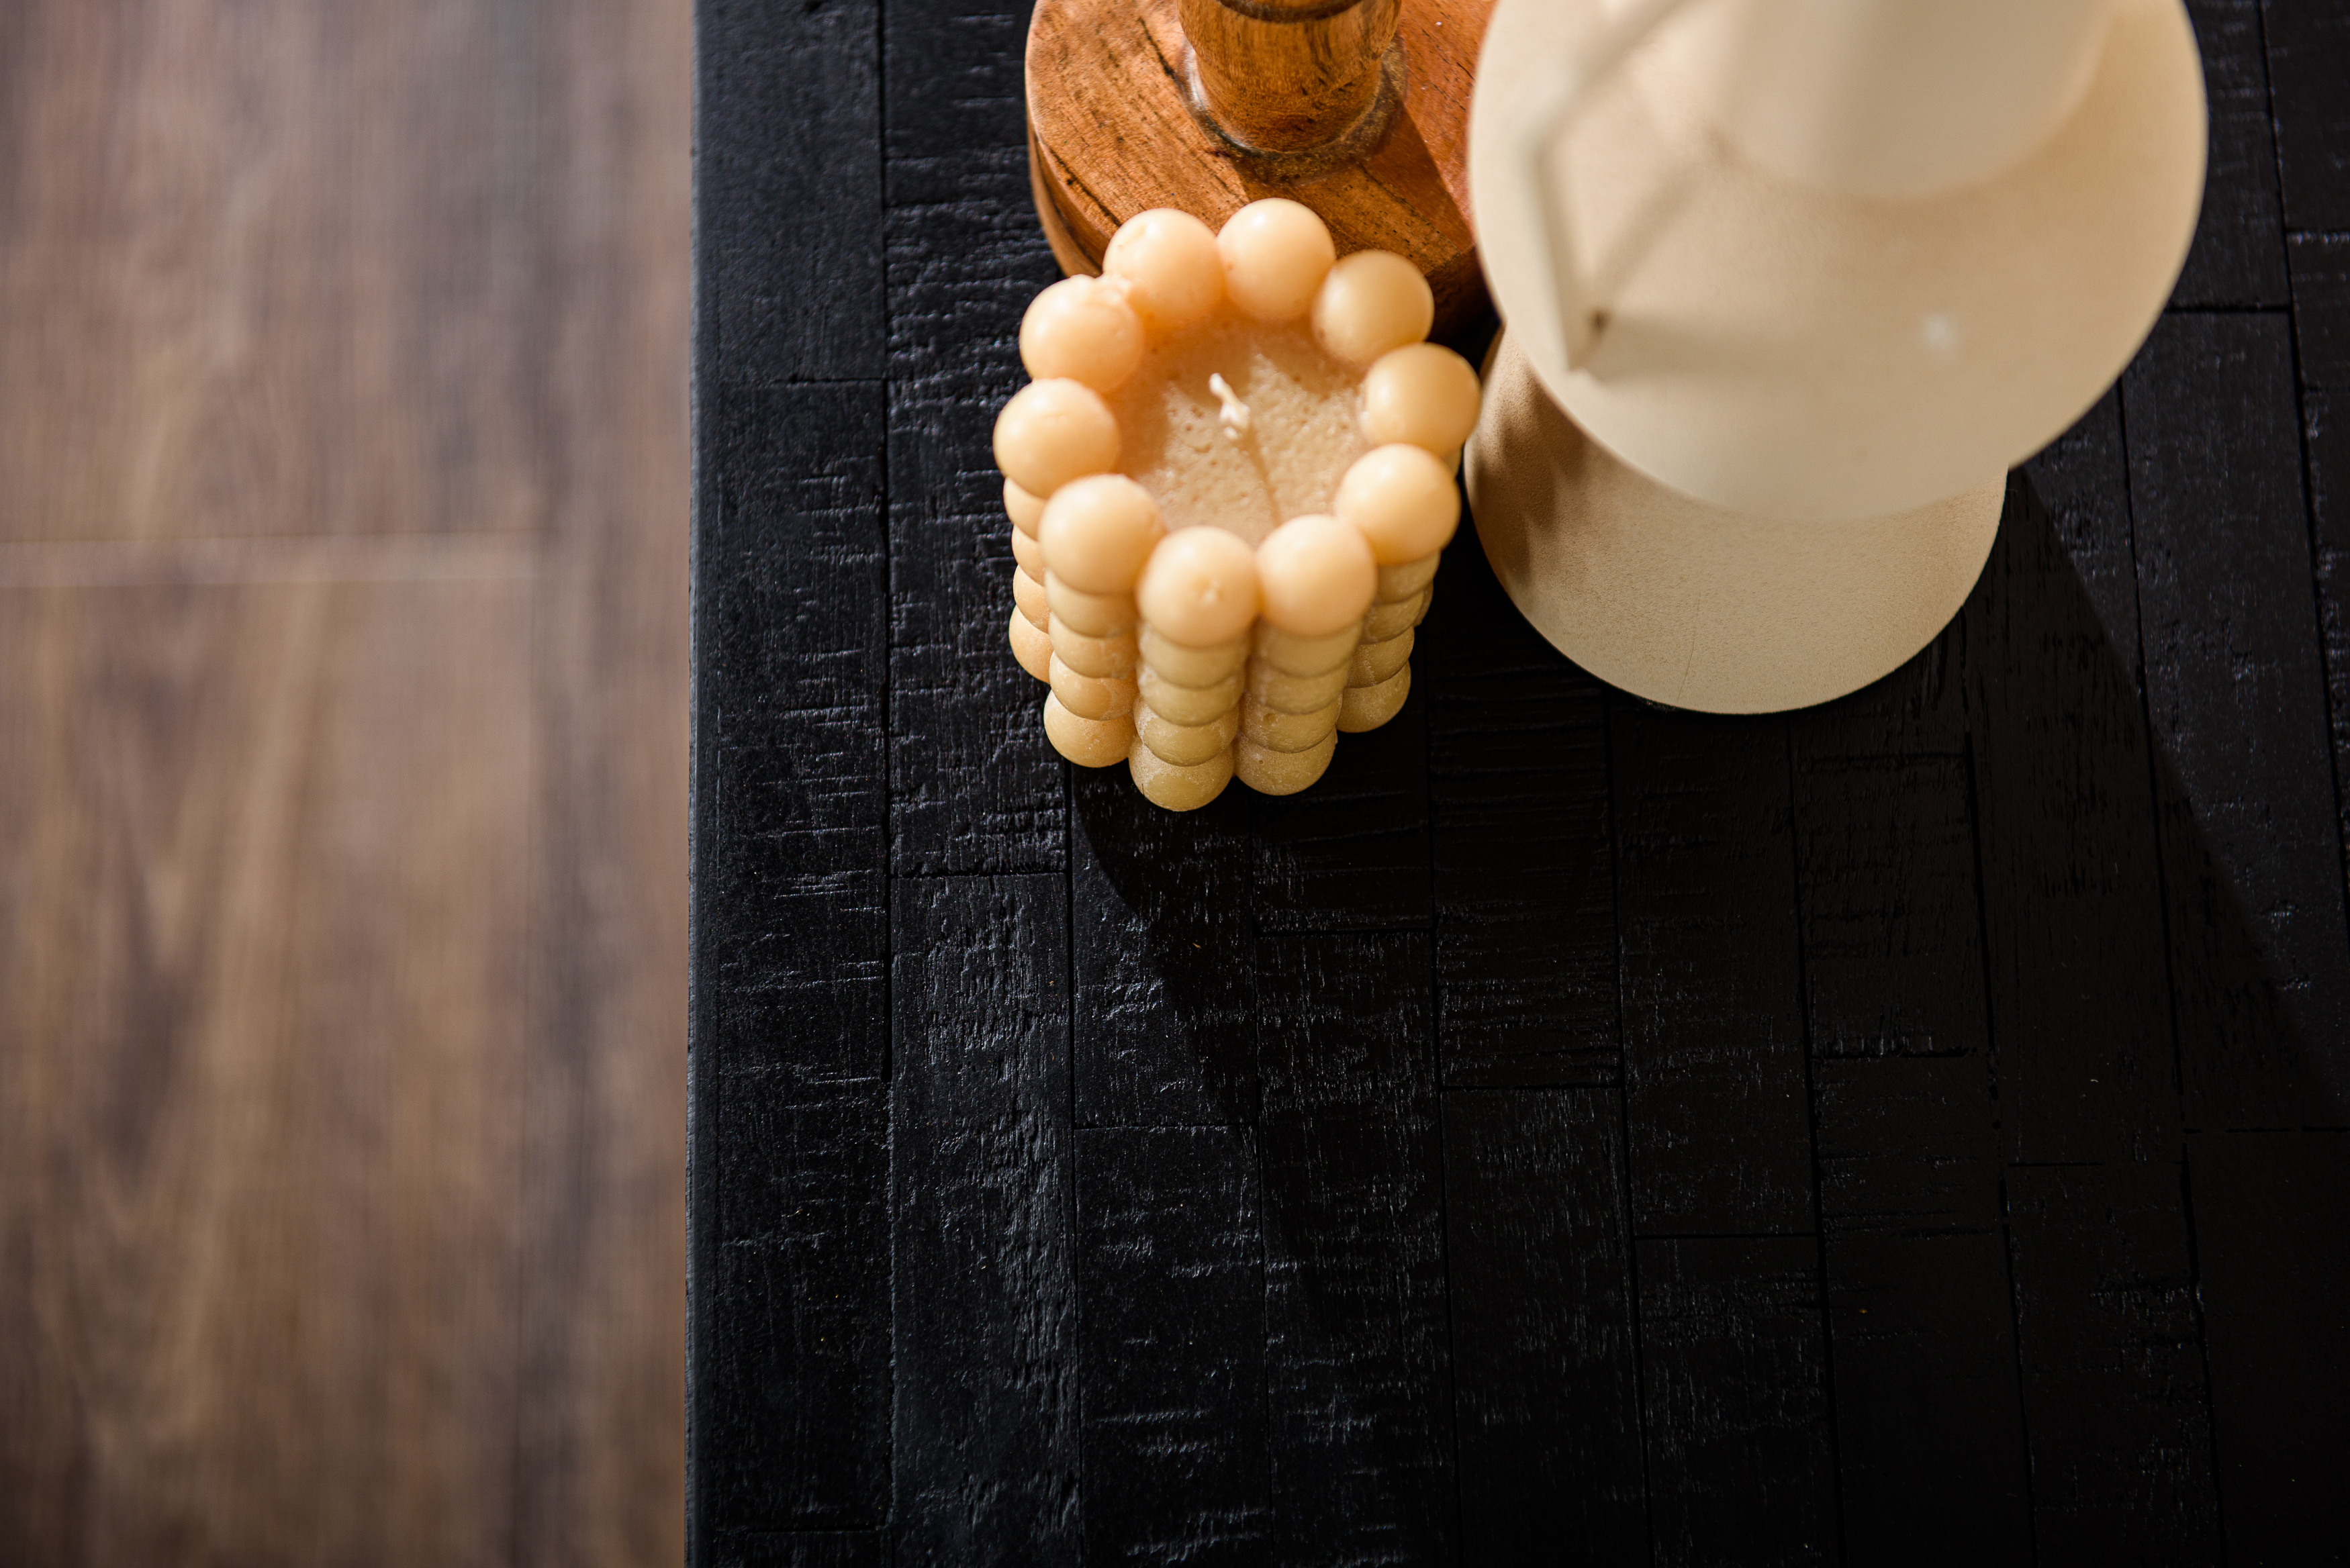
point(1285, 76)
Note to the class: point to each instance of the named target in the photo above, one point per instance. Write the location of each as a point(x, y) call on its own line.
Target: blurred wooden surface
point(342, 780)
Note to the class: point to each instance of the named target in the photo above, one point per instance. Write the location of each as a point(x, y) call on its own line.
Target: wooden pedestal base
point(1115, 128)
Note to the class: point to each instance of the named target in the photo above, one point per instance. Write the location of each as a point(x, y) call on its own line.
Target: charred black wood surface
point(1913, 1130)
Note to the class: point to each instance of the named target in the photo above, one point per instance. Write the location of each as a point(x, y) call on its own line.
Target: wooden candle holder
point(1359, 109)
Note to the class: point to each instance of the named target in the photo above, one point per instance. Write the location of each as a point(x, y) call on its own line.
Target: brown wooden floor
point(342, 780)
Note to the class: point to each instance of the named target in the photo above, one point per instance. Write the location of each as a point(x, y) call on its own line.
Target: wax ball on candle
point(1029, 554)
point(1089, 742)
point(1200, 587)
point(1375, 662)
point(1172, 787)
point(1393, 619)
point(1276, 253)
point(1082, 328)
point(1368, 707)
point(1098, 531)
point(1405, 581)
point(1316, 574)
point(1371, 302)
point(1167, 265)
point(1425, 394)
point(1025, 511)
point(1054, 431)
point(1403, 501)
point(1032, 647)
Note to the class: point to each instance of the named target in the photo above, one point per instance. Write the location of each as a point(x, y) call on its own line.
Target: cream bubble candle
point(1228, 484)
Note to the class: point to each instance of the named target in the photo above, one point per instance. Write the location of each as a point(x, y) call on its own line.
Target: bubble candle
point(1228, 484)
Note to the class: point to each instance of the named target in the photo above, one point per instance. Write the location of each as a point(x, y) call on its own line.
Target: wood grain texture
point(1734, 1387)
point(1351, 852)
point(1891, 926)
point(601, 1442)
point(1929, 1419)
point(343, 488)
point(1171, 1263)
point(1288, 77)
point(1929, 1424)
point(2269, 1209)
point(1713, 1031)
point(2112, 1348)
point(1115, 134)
point(1905, 1143)
point(984, 1353)
point(791, 117)
point(2325, 449)
point(2235, 687)
point(2238, 255)
point(2064, 814)
point(1576, 1129)
point(268, 940)
point(1902, 1092)
point(1546, 1412)
point(794, 943)
point(274, 268)
point(2309, 58)
point(1165, 1006)
point(2320, 307)
point(799, 1549)
point(1524, 852)
point(972, 789)
point(1359, 1384)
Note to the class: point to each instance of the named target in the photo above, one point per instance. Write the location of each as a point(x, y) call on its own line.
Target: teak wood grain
point(342, 743)
point(1113, 129)
point(1910, 1130)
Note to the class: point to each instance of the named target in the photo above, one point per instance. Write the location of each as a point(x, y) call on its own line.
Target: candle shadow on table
point(2143, 968)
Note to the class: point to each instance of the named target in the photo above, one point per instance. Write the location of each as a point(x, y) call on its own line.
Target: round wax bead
point(1192, 666)
point(1368, 707)
point(1082, 328)
point(1316, 574)
point(1371, 302)
point(1296, 693)
point(1389, 620)
point(1166, 263)
point(1025, 511)
point(1096, 614)
point(1098, 531)
point(1278, 731)
point(1269, 772)
point(1375, 662)
point(1402, 499)
point(1112, 655)
point(1175, 788)
point(1423, 393)
point(1404, 581)
point(1034, 600)
point(1089, 696)
point(1294, 654)
point(1276, 253)
point(1089, 742)
point(1029, 554)
point(1032, 647)
point(1187, 704)
point(1200, 587)
point(1185, 745)
point(1054, 431)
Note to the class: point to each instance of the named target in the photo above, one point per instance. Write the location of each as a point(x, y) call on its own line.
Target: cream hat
point(1814, 343)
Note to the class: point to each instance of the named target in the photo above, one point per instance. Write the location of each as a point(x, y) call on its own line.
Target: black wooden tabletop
point(1907, 1131)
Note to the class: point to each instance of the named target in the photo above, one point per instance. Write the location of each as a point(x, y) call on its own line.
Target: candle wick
point(1235, 413)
